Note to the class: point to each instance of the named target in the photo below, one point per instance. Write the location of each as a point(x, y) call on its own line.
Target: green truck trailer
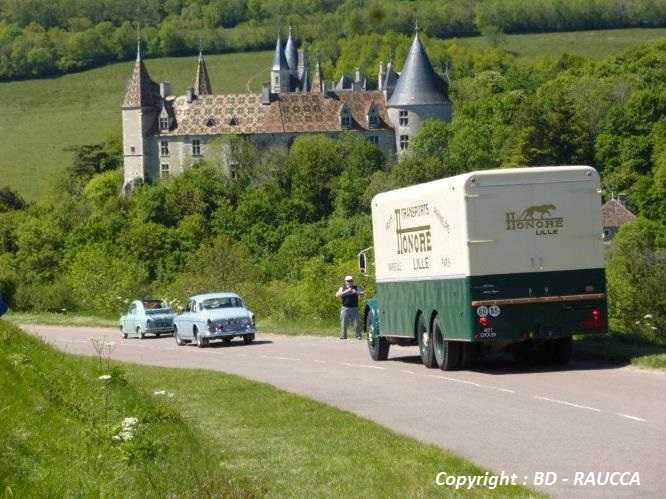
point(508, 259)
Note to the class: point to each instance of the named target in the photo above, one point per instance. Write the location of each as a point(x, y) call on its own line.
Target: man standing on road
point(349, 294)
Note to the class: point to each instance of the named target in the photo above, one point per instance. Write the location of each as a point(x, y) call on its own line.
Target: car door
point(184, 320)
point(129, 318)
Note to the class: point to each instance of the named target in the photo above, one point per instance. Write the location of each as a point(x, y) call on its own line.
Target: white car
point(214, 316)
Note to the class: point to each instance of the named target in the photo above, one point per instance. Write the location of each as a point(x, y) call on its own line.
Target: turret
point(280, 73)
point(139, 111)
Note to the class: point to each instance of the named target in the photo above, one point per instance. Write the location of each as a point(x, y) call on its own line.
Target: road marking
point(279, 358)
point(363, 365)
point(506, 390)
point(635, 418)
point(319, 361)
point(406, 372)
point(464, 382)
point(570, 404)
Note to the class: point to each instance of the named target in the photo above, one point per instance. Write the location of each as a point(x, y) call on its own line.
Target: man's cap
point(349, 278)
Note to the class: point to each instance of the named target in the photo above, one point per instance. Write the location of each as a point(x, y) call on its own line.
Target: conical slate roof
point(279, 60)
point(291, 55)
point(141, 90)
point(201, 80)
point(418, 83)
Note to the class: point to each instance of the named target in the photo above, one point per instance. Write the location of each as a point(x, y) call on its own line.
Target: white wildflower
point(170, 395)
point(105, 377)
point(647, 316)
point(159, 392)
point(129, 422)
point(654, 328)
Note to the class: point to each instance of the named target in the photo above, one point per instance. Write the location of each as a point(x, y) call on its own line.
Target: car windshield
point(153, 304)
point(228, 302)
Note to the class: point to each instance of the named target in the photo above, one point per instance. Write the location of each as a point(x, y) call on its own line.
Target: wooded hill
point(49, 37)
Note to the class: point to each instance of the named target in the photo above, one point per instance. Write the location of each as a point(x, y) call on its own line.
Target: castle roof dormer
point(418, 83)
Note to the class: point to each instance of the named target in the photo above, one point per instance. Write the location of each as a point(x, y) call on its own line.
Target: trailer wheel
point(447, 353)
point(378, 346)
point(562, 349)
point(425, 343)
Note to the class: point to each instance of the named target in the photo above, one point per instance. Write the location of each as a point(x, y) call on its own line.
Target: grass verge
point(197, 434)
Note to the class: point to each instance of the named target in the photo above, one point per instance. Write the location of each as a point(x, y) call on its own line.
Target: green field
point(591, 44)
point(42, 118)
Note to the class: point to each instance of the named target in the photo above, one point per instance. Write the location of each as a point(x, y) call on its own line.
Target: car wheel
point(140, 332)
point(248, 338)
point(201, 341)
point(179, 340)
point(123, 333)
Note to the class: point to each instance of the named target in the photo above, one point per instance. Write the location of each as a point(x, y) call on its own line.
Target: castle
point(165, 134)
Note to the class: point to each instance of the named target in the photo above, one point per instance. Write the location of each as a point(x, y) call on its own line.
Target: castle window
point(132, 150)
point(210, 121)
point(164, 170)
point(164, 123)
point(233, 170)
point(373, 116)
point(196, 147)
point(345, 117)
point(374, 139)
point(404, 118)
point(404, 142)
point(164, 148)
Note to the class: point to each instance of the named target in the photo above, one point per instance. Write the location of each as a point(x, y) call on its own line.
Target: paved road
point(584, 421)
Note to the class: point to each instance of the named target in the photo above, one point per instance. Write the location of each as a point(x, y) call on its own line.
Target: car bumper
point(229, 332)
point(160, 330)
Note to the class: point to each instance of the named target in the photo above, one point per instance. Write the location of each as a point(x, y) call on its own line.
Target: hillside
point(84, 108)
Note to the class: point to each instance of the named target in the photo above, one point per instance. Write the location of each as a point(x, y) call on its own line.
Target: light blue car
point(214, 316)
point(147, 317)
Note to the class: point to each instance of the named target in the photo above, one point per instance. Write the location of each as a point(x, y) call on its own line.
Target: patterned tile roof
point(614, 214)
point(141, 90)
point(201, 80)
point(287, 113)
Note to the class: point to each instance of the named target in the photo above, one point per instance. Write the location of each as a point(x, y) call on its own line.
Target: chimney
point(165, 89)
point(622, 198)
point(265, 93)
point(190, 95)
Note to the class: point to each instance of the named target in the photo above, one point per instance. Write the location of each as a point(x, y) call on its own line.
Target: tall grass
point(65, 432)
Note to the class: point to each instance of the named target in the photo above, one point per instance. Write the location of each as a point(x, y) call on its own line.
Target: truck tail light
point(484, 321)
point(596, 322)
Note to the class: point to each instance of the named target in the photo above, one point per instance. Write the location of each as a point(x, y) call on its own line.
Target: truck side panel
point(401, 301)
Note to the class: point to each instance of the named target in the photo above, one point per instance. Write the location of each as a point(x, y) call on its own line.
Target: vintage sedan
point(147, 317)
point(214, 316)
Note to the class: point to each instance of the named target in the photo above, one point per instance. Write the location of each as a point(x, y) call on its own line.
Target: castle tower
point(139, 110)
point(419, 94)
point(280, 73)
point(201, 80)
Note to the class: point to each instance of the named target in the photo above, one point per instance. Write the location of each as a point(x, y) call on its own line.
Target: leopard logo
point(543, 210)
